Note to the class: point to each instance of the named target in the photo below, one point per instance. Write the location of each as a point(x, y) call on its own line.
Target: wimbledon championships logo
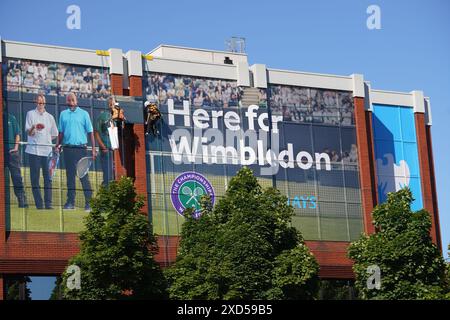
point(187, 190)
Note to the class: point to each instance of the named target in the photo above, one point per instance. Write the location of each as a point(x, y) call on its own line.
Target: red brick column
point(433, 187)
point(139, 146)
point(364, 137)
point(135, 86)
point(117, 84)
point(119, 163)
point(425, 174)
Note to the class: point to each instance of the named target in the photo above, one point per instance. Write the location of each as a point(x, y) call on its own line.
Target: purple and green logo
point(187, 190)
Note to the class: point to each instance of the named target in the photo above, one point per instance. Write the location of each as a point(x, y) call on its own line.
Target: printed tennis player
point(102, 123)
point(12, 157)
point(75, 128)
point(41, 130)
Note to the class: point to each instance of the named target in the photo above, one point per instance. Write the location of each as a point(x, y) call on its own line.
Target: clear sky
point(411, 51)
point(41, 287)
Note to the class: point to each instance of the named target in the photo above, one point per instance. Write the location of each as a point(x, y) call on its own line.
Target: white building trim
point(314, 80)
point(208, 70)
point(40, 52)
point(135, 65)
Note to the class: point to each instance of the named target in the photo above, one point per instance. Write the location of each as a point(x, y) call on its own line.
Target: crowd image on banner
point(199, 91)
point(57, 79)
point(298, 104)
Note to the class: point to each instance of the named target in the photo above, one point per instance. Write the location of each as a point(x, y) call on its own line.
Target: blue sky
point(411, 51)
point(41, 287)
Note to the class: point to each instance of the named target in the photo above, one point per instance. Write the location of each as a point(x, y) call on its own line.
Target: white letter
point(251, 154)
point(227, 152)
point(260, 152)
point(251, 115)
point(205, 150)
point(74, 20)
point(184, 112)
point(299, 158)
point(200, 115)
point(374, 20)
point(290, 154)
point(261, 123)
point(275, 120)
point(231, 119)
point(215, 117)
point(183, 150)
point(326, 157)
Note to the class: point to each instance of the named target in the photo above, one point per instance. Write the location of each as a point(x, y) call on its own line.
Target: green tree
point(244, 248)
point(57, 292)
point(411, 266)
point(117, 251)
point(447, 296)
point(17, 288)
point(337, 290)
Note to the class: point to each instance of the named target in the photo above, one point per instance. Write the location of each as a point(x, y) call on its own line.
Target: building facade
point(332, 144)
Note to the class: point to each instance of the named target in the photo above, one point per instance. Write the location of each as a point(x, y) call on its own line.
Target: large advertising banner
point(53, 115)
point(300, 140)
point(397, 157)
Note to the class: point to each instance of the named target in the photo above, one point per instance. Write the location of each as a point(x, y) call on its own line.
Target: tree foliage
point(117, 249)
point(337, 290)
point(57, 292)
point(17, 288)
point(244, 248)
point(411, 265)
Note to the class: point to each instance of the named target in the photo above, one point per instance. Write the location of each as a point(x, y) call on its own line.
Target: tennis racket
point(192, 194)
point(53, 161)
point(83, 166)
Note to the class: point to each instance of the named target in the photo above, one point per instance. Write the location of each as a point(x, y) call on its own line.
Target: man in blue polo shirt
point(75, 128)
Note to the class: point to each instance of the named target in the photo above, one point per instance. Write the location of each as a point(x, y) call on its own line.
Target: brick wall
point(366, 162)
point(433, 187)
point(119, 159)
point(135, 86)
point(138, 152)
point(426, 175)
point(116, 84)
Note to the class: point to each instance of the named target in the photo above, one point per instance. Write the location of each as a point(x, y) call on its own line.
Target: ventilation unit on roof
point(235, 44)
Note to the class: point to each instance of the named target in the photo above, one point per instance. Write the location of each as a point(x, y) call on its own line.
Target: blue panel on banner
point(411, 158)
point(397, 158)
point(387, 153)
point(386, 123)
point(414, 185)
point(408, 124)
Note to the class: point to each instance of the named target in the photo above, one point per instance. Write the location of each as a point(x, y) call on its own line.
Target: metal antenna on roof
point(235, 44)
